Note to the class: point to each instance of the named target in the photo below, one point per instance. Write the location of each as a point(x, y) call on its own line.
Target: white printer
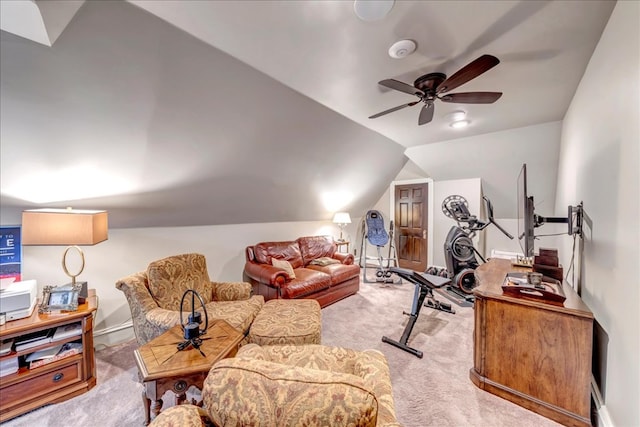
point(18, 299)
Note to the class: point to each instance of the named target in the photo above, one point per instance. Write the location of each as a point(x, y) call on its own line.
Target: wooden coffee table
point(163, 367)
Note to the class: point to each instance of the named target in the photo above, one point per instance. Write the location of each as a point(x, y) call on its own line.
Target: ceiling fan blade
point(426, 113)
point(402, 87)
point(472, 97)
point(468, 72)
point(391, 110)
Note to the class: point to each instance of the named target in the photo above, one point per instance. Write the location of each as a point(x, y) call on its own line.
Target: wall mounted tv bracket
point(573, 220)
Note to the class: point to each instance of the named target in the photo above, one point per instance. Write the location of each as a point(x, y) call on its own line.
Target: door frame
point(392, 209)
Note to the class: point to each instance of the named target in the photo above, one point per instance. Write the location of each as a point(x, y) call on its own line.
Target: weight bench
point(425, 284)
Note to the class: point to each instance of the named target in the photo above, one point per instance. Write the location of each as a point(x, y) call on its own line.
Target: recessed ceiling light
point(454, 116)
point(402, 48)
point(460, 124)
point(372, 10)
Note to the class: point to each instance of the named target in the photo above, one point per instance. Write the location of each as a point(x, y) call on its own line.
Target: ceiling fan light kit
point(456, 115)
point(434, 86)
point(372, 10)
point(402, 49)
point(459, 124)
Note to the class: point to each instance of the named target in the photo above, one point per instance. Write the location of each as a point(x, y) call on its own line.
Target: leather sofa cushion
point(339, 272)
point(307, 281)
point(288, 251)
point(313, 247)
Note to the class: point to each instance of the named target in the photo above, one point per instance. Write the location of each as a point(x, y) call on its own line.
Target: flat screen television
point(526, 216)
point(528, 220)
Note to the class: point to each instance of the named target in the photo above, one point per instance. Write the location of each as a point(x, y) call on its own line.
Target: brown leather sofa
point(320, 271)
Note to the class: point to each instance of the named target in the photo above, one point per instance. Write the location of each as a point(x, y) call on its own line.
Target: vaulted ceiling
point(217, 112)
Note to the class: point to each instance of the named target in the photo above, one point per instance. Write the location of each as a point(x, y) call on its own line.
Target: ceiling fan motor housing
point(429, 82)
point(434, 86)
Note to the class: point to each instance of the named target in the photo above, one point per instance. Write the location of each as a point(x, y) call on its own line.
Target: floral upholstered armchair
point(289, 385)
point(154, 296)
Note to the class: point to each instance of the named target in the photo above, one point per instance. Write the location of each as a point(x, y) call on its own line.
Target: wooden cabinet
point(63, 379)
point(535, 354)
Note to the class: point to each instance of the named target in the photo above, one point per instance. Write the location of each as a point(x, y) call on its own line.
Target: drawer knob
point(57, 377)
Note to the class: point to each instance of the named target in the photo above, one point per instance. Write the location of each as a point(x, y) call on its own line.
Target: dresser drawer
point(41, 384)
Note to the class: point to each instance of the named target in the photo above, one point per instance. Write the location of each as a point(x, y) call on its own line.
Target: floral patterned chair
point(154, 296)
point(289, 385)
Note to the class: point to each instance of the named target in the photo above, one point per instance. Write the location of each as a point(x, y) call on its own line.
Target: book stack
point(67, 331)
point(5, 347)
point(52, 354)
point(34, 339)
point(9, 366)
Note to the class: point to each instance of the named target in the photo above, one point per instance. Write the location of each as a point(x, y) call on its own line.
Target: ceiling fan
point(434, 86)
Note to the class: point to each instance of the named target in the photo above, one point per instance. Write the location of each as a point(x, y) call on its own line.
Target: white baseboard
point(604, 420)
point(105, 331)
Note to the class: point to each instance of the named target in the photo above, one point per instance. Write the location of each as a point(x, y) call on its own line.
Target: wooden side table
point(29, 389)
point(339, 244)
point(163, 367)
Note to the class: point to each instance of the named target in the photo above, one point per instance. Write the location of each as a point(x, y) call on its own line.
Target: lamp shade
point(342, 218)
point(63, 227)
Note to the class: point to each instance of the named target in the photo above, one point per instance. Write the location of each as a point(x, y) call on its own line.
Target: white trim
point(604, 420)
point(392, 209)
point(126, 325)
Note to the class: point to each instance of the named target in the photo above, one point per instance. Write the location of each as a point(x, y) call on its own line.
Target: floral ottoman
point(287, 322)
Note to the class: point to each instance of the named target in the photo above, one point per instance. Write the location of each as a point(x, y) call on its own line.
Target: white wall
point(599, 161)
point(466, 158)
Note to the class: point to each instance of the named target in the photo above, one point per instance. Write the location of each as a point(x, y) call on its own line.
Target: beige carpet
point(432, 391)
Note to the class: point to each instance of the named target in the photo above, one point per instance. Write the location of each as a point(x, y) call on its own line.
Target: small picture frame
point(60, 298)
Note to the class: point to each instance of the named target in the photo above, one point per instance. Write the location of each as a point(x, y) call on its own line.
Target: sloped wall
point(599, 162)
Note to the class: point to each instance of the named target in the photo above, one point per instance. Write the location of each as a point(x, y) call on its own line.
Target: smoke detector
point(402, 48)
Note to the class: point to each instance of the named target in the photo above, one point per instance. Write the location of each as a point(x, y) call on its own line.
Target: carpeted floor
point(432, 391)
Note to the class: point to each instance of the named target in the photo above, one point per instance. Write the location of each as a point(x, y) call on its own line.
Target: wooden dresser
point(63, 379)
point(535, 354)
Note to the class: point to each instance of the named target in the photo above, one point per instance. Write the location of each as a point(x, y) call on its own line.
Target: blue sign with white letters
point(10, 254)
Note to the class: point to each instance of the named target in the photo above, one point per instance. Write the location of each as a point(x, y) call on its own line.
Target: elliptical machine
point(459, 253)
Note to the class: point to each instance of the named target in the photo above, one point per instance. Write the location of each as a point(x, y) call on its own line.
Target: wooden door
point(411, 222)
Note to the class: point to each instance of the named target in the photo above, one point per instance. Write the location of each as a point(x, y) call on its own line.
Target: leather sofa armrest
point(344, 258)
point(265, 273)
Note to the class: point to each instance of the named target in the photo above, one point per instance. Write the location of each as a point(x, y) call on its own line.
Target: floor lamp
point(65, 227)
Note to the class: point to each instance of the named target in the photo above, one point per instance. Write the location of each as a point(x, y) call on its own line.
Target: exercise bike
point(460, 254)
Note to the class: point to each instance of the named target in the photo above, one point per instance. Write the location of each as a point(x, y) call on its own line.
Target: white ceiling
point(255, 111)
point(322, 50)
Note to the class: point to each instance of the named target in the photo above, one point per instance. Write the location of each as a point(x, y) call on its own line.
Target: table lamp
point(67, 227)
point(342, 219)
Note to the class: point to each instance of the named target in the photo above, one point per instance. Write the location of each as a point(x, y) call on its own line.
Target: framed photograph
point(60, 298)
